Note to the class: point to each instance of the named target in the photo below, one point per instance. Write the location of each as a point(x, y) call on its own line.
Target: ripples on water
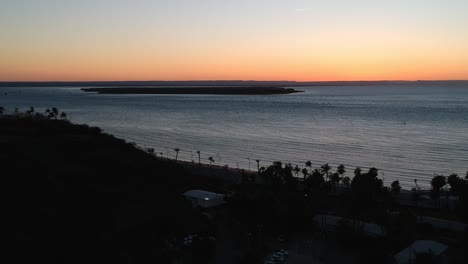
point(406, 131)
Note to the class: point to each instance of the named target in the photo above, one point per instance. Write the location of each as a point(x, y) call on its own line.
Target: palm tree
point(341, 170)
point(308, 164)
point(325, 168)
point(417, 186)
point(63, 115)
point(315, 180)
point(177, 153)
point(304, 172)
point(347, 181)
point(296, 170)
point(16, 110)
point(2, 109)
point(211, 160)
point(258, 165)
point(30, 112)
point(55, 112)
point(335, 178)
point(199, 159)
point(357, 172)
point(437, 183)
point(373, 172)
point(455, 183)
point(396, 187)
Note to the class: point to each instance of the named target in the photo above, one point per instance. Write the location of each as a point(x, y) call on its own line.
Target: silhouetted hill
point(76, 195)
point(194, 90)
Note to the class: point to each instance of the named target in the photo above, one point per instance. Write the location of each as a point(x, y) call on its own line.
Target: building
point(408, 255)
point(331, 222)
point(204, 199)
point(442, 224)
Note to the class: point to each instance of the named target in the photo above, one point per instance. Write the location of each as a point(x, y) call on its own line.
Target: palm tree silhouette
point(373, 172)
point(346, 181)
point(258, 165)
point(308, 164)
point(30, 111)
point(177, 153)
point(341, 170)
point(357, 172)
point(63, 115)
point(199, 159)
point(304, 173)
point(325, 168)
point(296, 170)
point(55, 112)
point(396, 187)
point(211, 160)
point(437, 183)
point(335, 178)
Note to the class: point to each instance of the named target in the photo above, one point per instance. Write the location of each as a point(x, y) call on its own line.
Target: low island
point(194, 90)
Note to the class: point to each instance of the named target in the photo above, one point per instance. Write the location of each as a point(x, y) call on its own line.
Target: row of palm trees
point(323, 171)
point(50, 113)
point(210, 159)
point(177, 150)
point(452, 184)
point(336, 177)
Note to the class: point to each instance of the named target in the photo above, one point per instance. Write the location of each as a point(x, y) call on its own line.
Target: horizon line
point(238, 80)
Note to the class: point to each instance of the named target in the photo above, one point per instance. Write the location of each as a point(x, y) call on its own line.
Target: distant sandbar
point(194, 90)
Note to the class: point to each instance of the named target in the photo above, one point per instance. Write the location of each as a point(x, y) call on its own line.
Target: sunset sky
point(303, 40)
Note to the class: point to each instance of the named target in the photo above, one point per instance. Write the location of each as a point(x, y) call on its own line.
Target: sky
point(302, 40)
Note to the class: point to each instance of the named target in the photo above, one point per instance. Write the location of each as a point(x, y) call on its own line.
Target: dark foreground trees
point(457, 187)
point(76, 195)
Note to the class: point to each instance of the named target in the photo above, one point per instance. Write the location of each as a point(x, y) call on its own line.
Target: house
point(442, 224)
point(408, 255)
point(331, 222)
point(204, 199)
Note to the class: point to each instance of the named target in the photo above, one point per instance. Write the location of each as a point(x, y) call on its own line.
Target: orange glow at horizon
point(348, 58)
point(245, 40)
point(275, 66)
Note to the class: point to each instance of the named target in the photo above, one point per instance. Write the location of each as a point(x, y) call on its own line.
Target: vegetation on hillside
point(77, 195)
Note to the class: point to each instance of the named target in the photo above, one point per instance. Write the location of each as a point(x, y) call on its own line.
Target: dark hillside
point(76, 195)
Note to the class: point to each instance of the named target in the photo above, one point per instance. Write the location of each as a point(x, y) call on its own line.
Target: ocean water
point(408, 131)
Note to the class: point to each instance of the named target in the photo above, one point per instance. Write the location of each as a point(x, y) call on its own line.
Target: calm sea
point(407, 131)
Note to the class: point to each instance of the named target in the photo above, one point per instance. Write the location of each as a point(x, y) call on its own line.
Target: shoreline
point(234, 90)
